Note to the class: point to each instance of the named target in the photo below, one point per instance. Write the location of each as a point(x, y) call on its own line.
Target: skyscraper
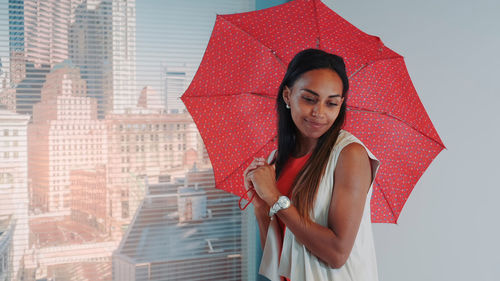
point(99, 35)
point(175, 82)
point(16, 40)
point(102, 45)
point(38, 39)
point(125, 91)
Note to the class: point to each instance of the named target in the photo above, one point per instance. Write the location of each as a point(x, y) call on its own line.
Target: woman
point(312, 200)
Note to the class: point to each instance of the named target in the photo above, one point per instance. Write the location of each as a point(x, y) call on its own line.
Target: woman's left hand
point(264, 181)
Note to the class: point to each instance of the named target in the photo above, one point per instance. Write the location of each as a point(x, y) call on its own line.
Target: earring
point(287, 106)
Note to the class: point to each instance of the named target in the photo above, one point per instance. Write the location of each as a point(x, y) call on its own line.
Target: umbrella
point(232, 96)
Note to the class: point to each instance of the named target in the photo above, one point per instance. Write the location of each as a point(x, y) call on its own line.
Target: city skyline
point(186, 28)
point(96, 139)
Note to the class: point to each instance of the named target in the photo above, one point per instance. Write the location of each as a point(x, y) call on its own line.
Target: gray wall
point(449, 228)
point(263, 4)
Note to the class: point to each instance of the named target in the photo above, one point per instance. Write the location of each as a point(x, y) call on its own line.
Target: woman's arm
point(261, 209)
point(332, 244)
point(263, 221)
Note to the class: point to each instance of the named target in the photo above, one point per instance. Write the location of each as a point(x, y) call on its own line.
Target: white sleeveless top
point(297, 262)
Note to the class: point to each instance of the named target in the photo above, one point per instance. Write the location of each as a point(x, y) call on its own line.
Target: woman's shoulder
point(356, 146)
point(344, 134)
point(344, 138)
point(346, 143)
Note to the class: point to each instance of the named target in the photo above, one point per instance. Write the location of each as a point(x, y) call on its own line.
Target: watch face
point(284, 202)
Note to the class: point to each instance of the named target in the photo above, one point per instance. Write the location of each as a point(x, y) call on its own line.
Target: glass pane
point(103, 174)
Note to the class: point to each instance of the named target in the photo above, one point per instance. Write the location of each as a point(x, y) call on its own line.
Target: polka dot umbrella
point(232, 96)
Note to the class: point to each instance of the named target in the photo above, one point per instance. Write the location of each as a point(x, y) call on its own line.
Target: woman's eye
point(308, 99)
point(332, 104)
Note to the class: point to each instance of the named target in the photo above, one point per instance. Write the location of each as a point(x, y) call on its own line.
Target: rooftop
point(158, 235)
point(47, 232)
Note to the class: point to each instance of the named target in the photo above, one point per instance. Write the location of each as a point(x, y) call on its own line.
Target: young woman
point(313, 193)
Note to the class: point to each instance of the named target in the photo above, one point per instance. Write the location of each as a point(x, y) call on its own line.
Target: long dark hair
point(307, 181)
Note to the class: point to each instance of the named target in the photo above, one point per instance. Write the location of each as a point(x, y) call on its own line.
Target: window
point(109, 160)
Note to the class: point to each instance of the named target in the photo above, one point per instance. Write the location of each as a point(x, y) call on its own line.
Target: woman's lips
point(314, 124)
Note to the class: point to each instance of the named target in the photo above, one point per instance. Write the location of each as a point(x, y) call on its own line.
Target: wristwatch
point(282, 203)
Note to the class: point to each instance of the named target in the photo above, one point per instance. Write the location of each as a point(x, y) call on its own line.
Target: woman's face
point(314, 99)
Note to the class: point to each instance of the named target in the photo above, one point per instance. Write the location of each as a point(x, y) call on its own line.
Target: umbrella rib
point(358, 70)
point(317, 25)
point(372, 62)
point(385, 113)
point(386, 200)
point(263, 95)
point(353, 108)
point(249, 35)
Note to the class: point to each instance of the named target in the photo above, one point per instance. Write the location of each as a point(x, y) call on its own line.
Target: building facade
point(90, 199)
point(14, 183)
point(144, 146)
point(102, 45)
point(65, 135)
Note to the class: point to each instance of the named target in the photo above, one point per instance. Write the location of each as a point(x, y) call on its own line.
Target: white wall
point(450, 226)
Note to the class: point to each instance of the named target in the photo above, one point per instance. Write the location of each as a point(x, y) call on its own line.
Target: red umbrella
point(232, 96)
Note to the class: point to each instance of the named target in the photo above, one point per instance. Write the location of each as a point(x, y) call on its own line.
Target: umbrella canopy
point(233, 95)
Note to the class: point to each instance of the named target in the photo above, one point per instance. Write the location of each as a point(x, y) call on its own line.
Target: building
point(38, 29)
point(90, 48)
point(90, 199)
point(125, 91)
point(150, 99)
point(14, 184)
point(183, 229)
point(65, 135)
point(38, 40)
point(98, 35)
point(17, 41)
point(102, 45)
point(145, 145)
point(8, 99)
point(7, 93)
point(175, 82)
point(4, 74)
point(7, 226)
point(28, 90)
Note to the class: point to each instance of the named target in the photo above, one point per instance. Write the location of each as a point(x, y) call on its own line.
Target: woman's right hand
point(257, 201)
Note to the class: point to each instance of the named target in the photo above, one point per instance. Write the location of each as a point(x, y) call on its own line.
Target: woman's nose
point(318, 110)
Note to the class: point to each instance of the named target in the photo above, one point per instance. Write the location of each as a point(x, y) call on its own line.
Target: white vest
point(297, 262)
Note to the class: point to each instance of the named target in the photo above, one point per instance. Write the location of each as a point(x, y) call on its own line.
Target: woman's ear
point(286, 94)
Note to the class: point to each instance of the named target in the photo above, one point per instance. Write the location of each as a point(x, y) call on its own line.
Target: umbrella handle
point(242, 197)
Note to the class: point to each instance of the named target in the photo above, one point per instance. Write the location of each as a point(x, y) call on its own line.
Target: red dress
point(285, 181)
